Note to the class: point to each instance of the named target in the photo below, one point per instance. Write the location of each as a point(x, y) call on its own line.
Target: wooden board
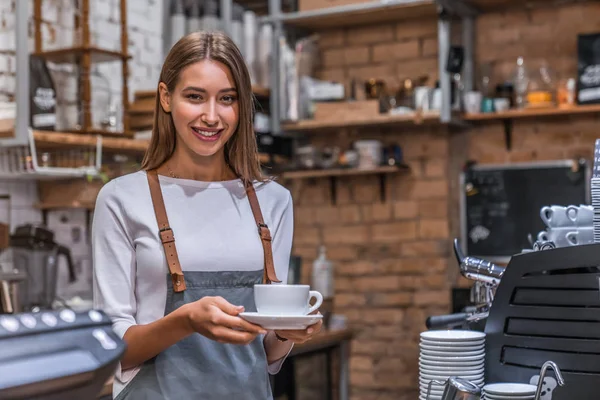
point(533, 112)
point(380, 120)
point(506, 5)
point(323, 173)
point(70, 55)
point(58, 139)
point(380, 13)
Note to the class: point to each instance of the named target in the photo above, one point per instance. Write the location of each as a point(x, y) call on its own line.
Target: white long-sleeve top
point(214, 231)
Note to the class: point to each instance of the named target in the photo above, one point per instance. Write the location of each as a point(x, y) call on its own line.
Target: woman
point(176, 303)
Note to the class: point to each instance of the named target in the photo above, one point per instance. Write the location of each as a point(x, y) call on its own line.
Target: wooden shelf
point(60, 139)
point(260, 92)
point(507, 5)
point(299, 178)
point(372, 12)
point(61, 206)
point(71, 54)
point(380, 120)
point(533, 112)
point(327, 173)
point(507, 117)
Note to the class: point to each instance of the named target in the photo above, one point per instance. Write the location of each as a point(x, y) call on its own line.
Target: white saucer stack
point(444, 354)
point(509, 391)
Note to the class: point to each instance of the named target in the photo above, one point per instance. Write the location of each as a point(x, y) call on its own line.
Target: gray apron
point(198, 367)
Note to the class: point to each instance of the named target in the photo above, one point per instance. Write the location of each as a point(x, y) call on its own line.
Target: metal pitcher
point(457, 389)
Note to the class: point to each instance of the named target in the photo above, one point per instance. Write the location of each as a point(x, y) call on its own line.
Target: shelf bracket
point(508, 128)
point(382, 187)
point(333, 190)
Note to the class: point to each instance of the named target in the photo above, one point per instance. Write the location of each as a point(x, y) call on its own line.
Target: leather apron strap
point(165, 232)
point(269, 275)
point(168, 239)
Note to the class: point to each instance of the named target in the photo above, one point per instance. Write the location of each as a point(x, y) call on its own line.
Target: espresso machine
point(31, 285)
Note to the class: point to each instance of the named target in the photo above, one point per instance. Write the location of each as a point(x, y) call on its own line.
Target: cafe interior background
point(397, 125)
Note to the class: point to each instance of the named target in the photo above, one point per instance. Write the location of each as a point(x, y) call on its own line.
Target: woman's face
point(204, 107)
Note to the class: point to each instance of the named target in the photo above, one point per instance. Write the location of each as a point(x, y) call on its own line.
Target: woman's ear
point(165, 97)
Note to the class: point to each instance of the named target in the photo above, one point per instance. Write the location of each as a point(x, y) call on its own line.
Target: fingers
point(302, 335)
point(240, 324)
point(223, 334)
point(227, 307)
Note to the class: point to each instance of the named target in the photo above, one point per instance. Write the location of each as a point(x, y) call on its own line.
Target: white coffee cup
point(285, 299)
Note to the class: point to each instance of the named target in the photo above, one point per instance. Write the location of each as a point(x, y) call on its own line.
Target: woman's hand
point(301, 336)
point(217, 319)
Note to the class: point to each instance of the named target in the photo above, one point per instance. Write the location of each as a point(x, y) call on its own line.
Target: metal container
point(457, 389)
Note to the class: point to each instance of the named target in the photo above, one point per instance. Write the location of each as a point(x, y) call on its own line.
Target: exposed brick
point(370, 34)
point(425, 248)
point(387, 72)
point(306, 252)
point(391, 299)
point(332, 74)
point(342, 252)
point(415, 319)
point(433, 229)
point(356, 55)
point(418, 67)
point(433, 208)
point(394, 232)
point(349, 214)
point(369, 347)
point(430, 189)
point(434, 281)
point(406, 209)
point(304, 216)
point(358, 268)
point(391, 364)
point(362, 379)
point(416, 28)
point(396, 51)
point(377, 284)
point(433, 297)
point(331, 38)
point(385, 316)
point(356, 234)
point(429, 47)
point(344, 300)
point(436, 168)
point(332, 58)
point(377, 212)
point(361, 363)
point(306, 236)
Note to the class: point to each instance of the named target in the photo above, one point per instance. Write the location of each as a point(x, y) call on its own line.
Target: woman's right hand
point(217, 319)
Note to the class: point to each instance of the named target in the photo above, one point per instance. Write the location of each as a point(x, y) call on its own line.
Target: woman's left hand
point(302, 335)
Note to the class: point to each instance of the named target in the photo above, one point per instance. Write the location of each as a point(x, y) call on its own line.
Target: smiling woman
point(178, 308)
point(204, 96)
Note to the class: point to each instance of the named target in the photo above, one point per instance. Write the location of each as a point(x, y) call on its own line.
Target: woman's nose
point(210, 116)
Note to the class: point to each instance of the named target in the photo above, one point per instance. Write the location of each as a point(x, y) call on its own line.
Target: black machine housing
point(547, 307)
point(57, 355)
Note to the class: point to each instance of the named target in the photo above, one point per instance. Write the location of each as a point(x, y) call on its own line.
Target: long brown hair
point(241, 150)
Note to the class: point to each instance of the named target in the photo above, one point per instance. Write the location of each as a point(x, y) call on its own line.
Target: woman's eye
point(194, 96)
point(228, 99)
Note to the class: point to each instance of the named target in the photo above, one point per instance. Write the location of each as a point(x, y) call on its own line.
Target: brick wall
point(393, 261)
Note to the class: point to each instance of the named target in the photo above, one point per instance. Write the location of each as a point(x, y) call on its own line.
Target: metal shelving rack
point(445, 10)
point(23, 143)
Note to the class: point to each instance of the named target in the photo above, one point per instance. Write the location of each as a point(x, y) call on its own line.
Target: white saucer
point(282, 322)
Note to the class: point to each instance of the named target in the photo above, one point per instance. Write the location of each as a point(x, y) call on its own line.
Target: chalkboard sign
point(500, 204)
